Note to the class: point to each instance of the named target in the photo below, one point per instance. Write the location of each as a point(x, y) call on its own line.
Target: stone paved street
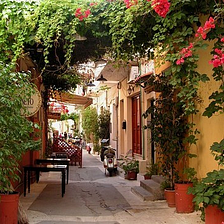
point(92, 197)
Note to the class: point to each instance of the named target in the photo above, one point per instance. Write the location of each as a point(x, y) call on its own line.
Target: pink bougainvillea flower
point(78, 11)
point(92, 4)
point(180, 61)
point(218, 58)
point(202, 31)
point(222, 40)
point(130, 3)
point(80, 15)
point(218, 51)
point(161, 7)
point(185, 53)
point(87, 13)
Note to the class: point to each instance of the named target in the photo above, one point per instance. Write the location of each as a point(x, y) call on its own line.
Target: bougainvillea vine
point(218, 57)
point(130, 3)
point(201, 33)
point(81, 15)
point(161, 7)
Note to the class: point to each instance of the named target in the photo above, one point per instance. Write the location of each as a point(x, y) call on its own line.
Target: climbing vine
point(50, 33)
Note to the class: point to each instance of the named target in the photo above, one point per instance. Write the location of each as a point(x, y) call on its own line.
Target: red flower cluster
point(80, 15)
point(130, 3)
point(185, 53)
point(92, 4)
point(202, 31)
point(161, 7)
point(218, 58)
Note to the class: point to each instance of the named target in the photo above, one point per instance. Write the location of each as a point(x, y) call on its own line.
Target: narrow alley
point(92, 197)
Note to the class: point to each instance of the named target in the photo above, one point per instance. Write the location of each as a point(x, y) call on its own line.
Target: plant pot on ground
point(169, 193)
point(15, 137)
point(209, 192)
point(131, 168)
point(184, 199)
point(168, 127)
point(152, 169)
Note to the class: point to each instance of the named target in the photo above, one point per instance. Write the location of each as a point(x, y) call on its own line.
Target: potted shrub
point(170, 130)
point(209, 192)
point(152, 169)
point(131, 168)
point(169, 193)
point(15, 137)
point(184, 199)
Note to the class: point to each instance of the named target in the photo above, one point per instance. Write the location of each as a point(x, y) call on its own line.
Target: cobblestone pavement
point(93, 197)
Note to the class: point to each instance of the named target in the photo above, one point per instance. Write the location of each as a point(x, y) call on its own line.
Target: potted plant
point(170, 130)
point(131, 168)
point(169, 193)
point(184, 199)
point(209, 193)
point(152, 169)
point(15, 137)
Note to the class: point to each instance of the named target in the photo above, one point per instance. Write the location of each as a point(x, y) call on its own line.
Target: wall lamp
point(90, 84)
point(101, 79)
point(130, 89)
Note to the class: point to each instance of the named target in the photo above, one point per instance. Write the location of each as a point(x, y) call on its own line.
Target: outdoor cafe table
point(60, 161)
point(44, 168)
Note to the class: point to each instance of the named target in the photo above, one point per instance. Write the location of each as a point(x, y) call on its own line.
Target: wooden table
point(59, 161)
point(44, 168)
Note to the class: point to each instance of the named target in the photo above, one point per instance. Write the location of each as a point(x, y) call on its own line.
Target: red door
point(136, 125)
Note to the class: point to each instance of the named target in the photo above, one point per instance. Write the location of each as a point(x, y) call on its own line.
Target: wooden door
point(136, 125)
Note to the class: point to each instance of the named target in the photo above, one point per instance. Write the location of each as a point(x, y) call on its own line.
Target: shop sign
point(32, 104)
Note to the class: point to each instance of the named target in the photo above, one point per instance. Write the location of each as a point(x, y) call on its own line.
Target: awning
point(143, 78)
point(73, 99)
point(114, 73)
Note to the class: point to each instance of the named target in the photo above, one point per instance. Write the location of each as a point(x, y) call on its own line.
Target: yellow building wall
point(211, 129)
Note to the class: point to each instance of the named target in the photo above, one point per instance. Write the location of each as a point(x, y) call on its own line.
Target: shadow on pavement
point(74, 222)
point(80, 199)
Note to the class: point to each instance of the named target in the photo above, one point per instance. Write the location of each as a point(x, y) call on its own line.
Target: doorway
point(136, 126)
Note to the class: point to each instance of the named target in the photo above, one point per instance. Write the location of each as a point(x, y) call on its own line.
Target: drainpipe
point(117, 122)
point(142, 119)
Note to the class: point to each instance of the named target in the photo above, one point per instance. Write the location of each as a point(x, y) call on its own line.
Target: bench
point(74, 152)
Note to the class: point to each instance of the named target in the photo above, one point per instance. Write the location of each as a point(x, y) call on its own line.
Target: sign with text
point(32, 104)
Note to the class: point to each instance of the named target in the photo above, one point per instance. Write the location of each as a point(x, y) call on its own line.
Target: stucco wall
point(211, 129)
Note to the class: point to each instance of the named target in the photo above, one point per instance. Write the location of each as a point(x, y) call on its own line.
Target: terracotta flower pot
point(147, 177)
point(184, 201)
point(9, 208)
point(213, 215)
point(132, 175)
point(170, 197)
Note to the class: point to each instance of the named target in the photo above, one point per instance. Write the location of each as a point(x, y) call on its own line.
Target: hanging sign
point(32, 104)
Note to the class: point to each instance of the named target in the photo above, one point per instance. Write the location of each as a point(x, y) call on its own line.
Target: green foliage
point(90, 124)
point(96, 147)
point(104, 124)
point(121, 33)
point(168, 126)
point(72, 116)
point(218, 151)
point(130, 164)
point(16, 132)
point(165, 185)
point(152, 169)
point(16, 27)
point(209, 191)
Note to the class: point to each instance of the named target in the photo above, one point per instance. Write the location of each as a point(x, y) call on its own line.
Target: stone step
point(154, 188)
point(142, 193)
point(158, 178)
